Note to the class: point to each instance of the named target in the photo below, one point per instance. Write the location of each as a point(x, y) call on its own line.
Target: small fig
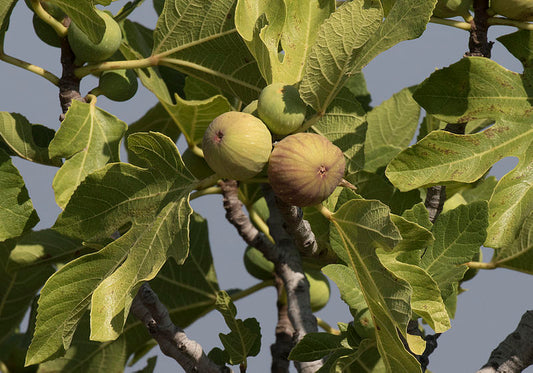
point(364, 324)
point(237, 145)
point(319, 290)
point(197, 165)
point(45, 32)
point(117, 85)
point(519, 10)
point(281, 108)
point(452, 8)
point(305, 168)
point(257, 265)
point(86, 50)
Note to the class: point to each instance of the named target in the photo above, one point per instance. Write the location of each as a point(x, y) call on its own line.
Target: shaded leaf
point(245, 337)
point(520, 44)
point(198, 38)
point(16, 209)
point(443, 156)
point(336, 51)
point(28, 141)
point(156, 119)
point(391, 127)
point(360, 227)
point(511, 201)
point(473, 88)
point(89, 138)
point(153, 201)
point(459, 234)
point(314, 346)
point(6, 7)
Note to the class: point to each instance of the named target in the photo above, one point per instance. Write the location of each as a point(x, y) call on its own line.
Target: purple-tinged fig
point(305, 168)
point(237, 145)
point(519, 10)
point(281, 108)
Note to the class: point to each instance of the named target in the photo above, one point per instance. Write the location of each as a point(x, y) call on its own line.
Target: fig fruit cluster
point(303, 168)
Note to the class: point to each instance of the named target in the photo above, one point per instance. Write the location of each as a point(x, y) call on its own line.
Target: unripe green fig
point(305, 168)
point(45, 32)
point(197, 165)
point(452, 8)
point(257, 265)
point(237, 145)
point(364, 324)
point(319, 290)
point(117, 85)
point(519, 10)
point(85, 50)
point(281, 108)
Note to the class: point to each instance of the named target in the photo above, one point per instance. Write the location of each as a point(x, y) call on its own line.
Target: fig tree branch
point(59, 28)
point(30, 67)
point(281, 348)
point(450, 22)
point(478, 43)
point(69, 84)
point(298, 228)
point(510, 22)
point(172, 340)
point(515, 353)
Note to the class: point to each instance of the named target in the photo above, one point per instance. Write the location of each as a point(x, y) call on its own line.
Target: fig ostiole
point(519, 10)
point(87, 51)
point(237, 145)
point(305, 168)
point(452, 8)
point(117, 85)
point(281, 108)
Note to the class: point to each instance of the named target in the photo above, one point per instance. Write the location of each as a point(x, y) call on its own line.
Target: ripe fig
point(197, 165)
point(281, 108)
point(117, 85)
point(86, 50)
point(519, 10)
point(452, 8)
point(257, 265)
point(237, 145)
point(305, 168)
point(319, 290)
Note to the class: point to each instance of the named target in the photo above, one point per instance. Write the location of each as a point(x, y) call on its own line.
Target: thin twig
point(281, 348)
point(515, 353)
point(172, 340)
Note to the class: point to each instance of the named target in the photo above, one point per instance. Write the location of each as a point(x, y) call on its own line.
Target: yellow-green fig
point(117, 85)
point(85, 50)
point(364, 324)
point(305, 168)
point(452, 8)
point(237, 145)
point(281, 108)
point(519, 10)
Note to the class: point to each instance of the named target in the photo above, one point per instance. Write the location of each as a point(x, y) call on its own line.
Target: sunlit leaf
point(518, 255)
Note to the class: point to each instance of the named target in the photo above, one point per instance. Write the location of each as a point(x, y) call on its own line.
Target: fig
point(281, 108)
point(452, 8)
point(197, 165)
point(257, 265)
point(319, 290)
point(364, 324)
point(117, 85)
point(305, 168)
point(85, 50)
point(237, 145)
point(45, 32)
point(519, 10)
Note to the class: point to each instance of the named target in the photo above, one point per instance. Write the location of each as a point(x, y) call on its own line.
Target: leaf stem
point(450, 22)
point(206, 191)
point(328, 328)
point(310, 122)
point(116, 65)
point(252, 289)
point(30, 67)
point(207, 182)
point(196, 150)
point(58, 27)
point(324, 211)
point(510, 22)
point(482, 265)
